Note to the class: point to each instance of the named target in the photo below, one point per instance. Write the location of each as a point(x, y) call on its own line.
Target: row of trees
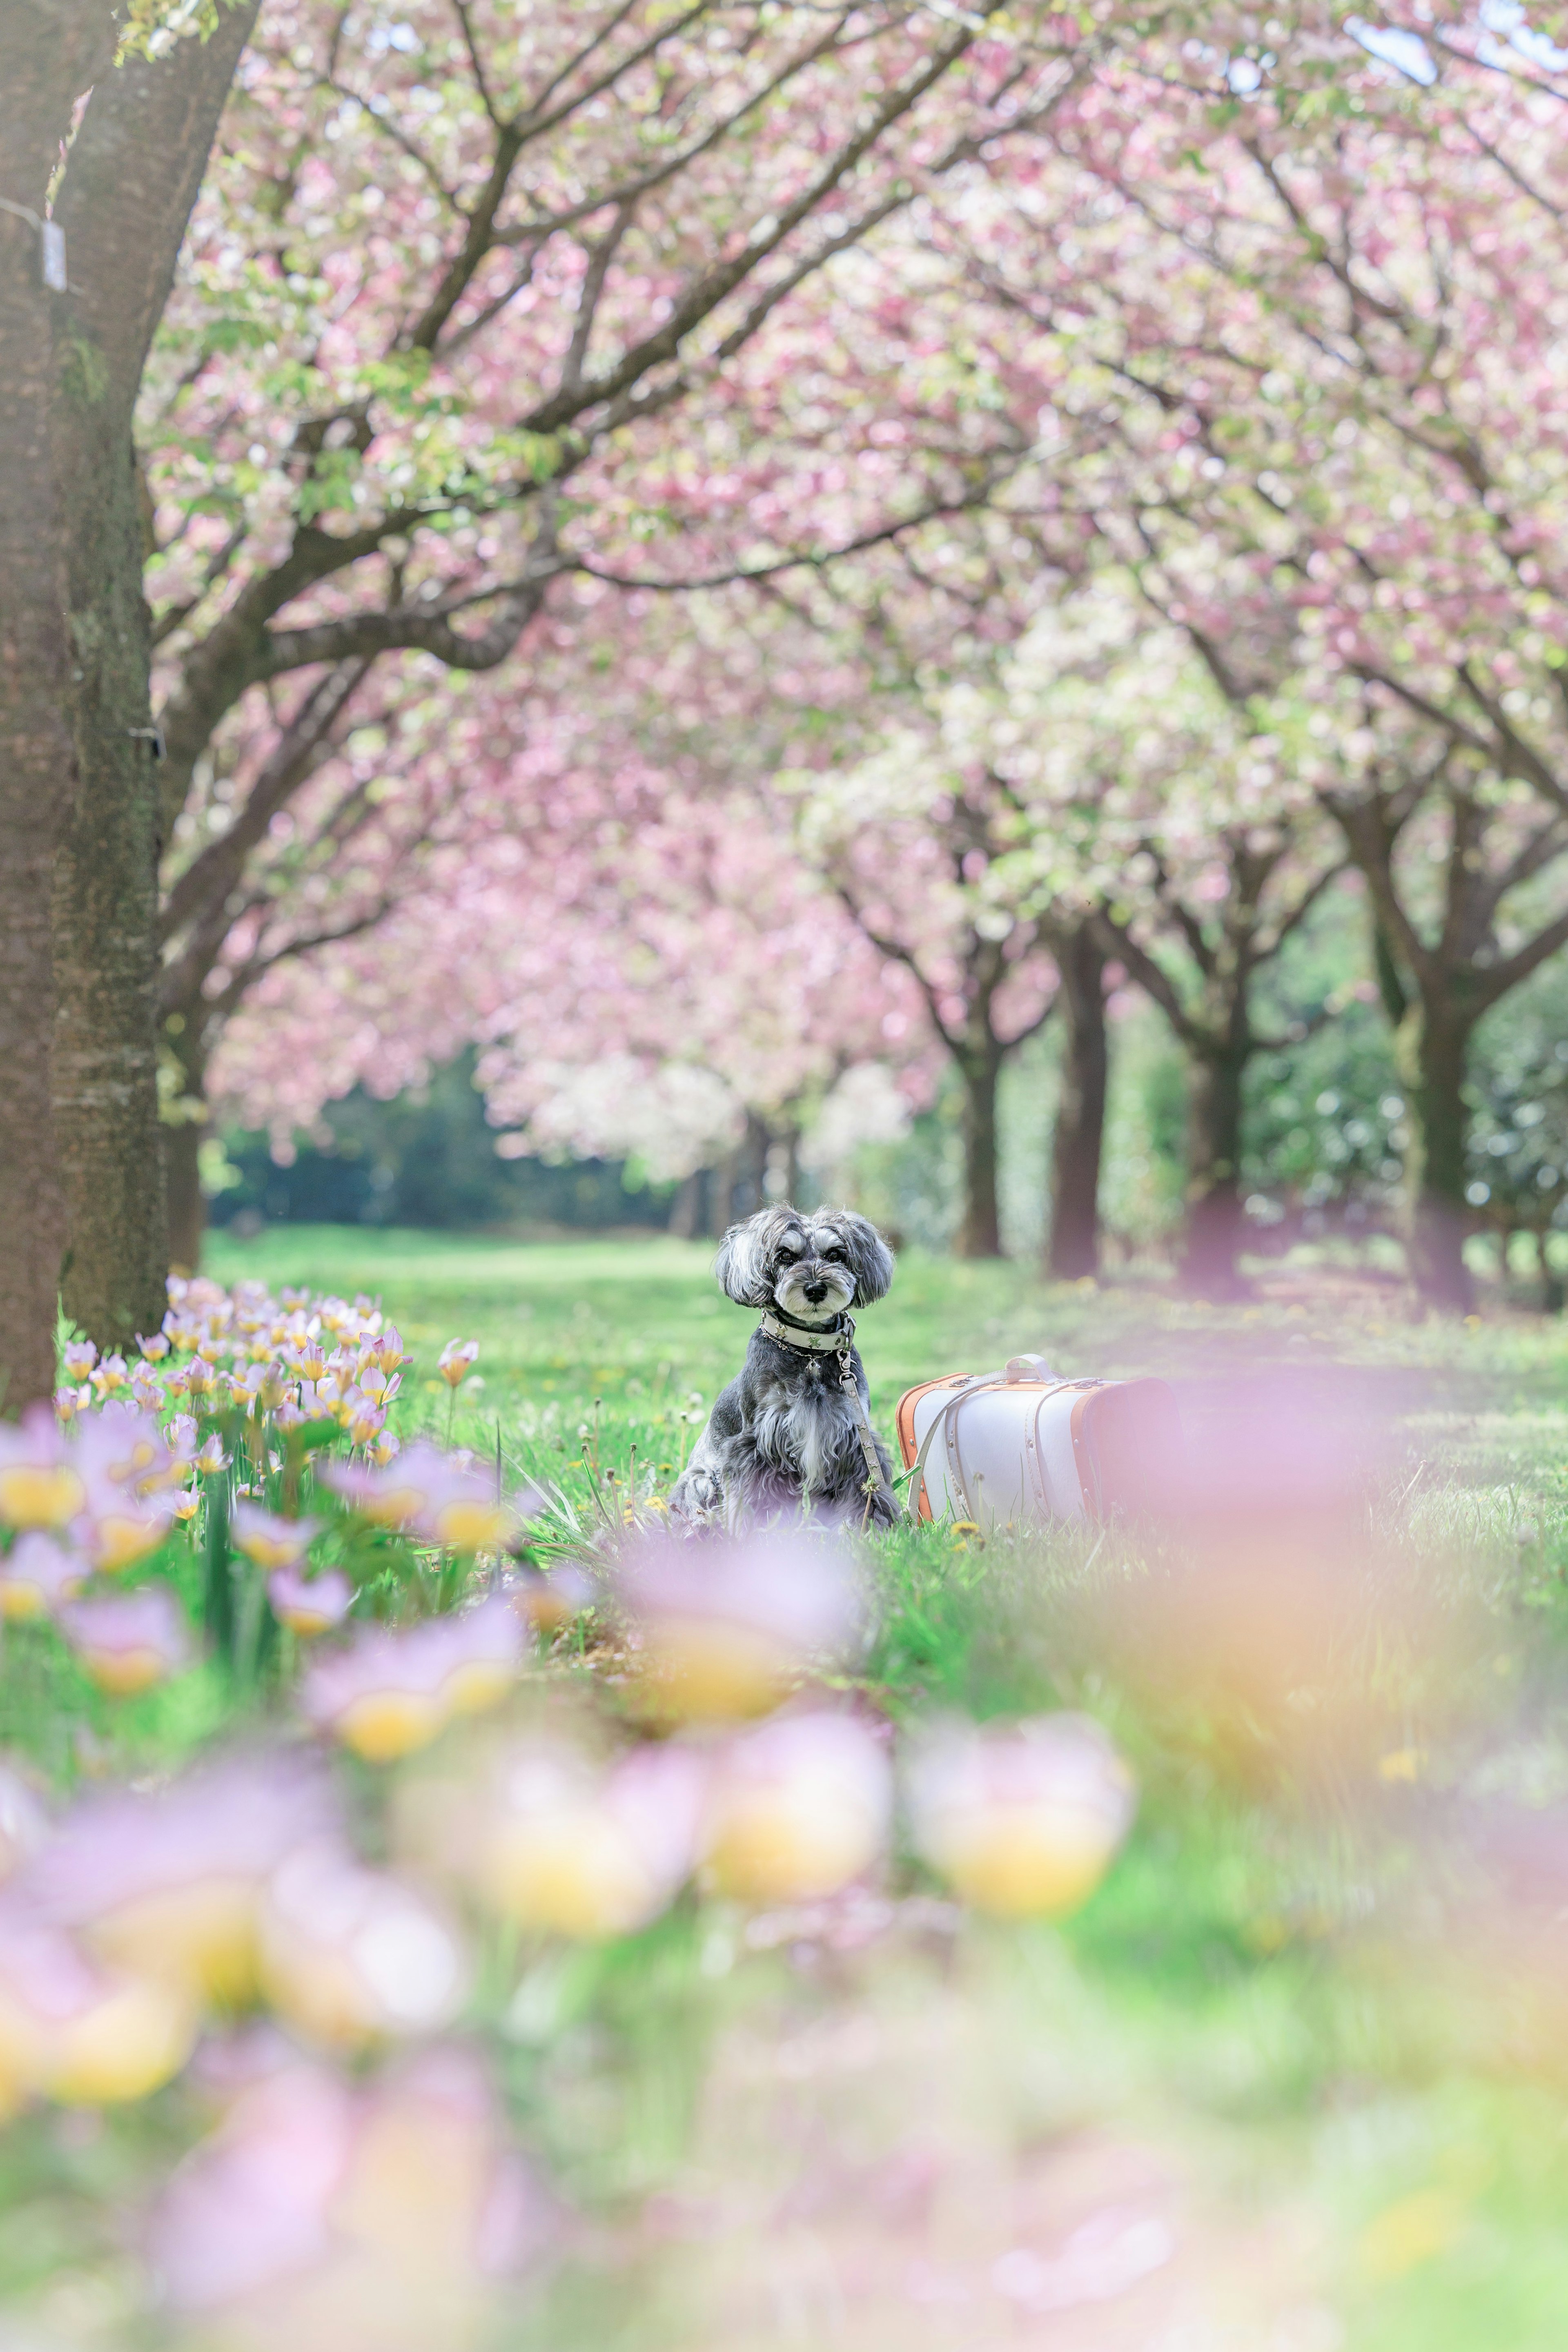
point(1030, 496)
point(1248, 362)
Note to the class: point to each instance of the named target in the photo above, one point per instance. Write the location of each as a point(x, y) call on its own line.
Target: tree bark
point(1433, 1046)
point(49, 52)
point(1072, 1250)
point(980, 1233)
point(1213, 1173)
point(132, 178)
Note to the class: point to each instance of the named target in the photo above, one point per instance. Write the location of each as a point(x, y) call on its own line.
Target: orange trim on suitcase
point(908, 1443)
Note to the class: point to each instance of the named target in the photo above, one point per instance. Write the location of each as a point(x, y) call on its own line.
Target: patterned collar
point(809, 1343)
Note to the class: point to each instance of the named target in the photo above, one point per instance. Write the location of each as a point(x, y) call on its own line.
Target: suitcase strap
point(946, 1419)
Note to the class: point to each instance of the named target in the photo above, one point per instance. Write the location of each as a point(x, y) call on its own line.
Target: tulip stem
point(218, 1603)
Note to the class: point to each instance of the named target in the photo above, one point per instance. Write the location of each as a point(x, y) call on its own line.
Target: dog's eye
point(833, 1255)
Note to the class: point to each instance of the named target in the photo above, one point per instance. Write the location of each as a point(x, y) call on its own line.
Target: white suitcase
point(1021, 1447)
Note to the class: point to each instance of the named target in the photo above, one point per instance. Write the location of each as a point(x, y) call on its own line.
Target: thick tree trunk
point(130, 180)
point(1072, 1250)
point(1433, 1049)
point(980, 1233)
point(105, 899)
point(1213, 1235)
point(48, 53)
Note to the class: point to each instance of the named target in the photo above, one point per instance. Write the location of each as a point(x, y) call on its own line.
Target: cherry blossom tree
point(1302, 356)
point(447, 340)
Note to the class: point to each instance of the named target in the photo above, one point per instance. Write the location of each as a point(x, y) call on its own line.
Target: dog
point(784, 1440)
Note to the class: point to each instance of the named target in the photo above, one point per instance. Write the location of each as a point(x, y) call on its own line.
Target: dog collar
point(810, 1343)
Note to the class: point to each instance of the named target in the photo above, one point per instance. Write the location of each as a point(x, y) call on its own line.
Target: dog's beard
point(790, 1293)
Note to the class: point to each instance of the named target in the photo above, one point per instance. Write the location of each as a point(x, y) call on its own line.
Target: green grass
point(1253, 1991)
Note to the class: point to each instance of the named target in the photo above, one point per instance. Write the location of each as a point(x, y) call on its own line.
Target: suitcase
point(1021, 1447)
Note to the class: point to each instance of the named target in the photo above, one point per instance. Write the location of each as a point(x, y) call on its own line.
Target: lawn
point(1295, 2078)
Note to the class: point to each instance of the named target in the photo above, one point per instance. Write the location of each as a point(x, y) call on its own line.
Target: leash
point(837, 1343)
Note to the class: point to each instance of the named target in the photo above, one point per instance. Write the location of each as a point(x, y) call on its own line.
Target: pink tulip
point(1022, 1820)
point(37, 1574)
point(796, 1809)
point(126, 1643)
point(724, 1629)
point(309, 1605)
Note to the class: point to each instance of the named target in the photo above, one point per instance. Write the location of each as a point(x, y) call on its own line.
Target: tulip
point(1022, 1820)
point(36, 1575)
point(797, 1810)
point(80, 1357)
point(40, 1485)
point(350, 1955)
point(725, 1629)
point(170, 1884)
point(392, 1693)
point(309, 1605)
point(456, 1360)
point(212, 1458)
point(81, 2034)
point(576, 1847)
point(119, 1537)
point(431, 1493)
point(23, 1822)
point(154, 1347)
point(326, 2217)
point(548, 1601)
point(129, 1642)
point(269, 1541)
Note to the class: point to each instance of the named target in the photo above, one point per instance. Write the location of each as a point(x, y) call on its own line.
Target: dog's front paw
point(886, 1511)
point(697, 1499)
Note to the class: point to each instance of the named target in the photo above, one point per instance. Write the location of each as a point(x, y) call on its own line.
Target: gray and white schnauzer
point(793, 1431)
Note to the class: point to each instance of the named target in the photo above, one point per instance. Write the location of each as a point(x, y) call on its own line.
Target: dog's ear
point(741, 1266)
point(870, 1259)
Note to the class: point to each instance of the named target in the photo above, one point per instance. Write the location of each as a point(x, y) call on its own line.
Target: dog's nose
point(816, 1292)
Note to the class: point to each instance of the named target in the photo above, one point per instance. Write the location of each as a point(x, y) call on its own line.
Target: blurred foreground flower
point(272, 1542)
point(170, 1885)
point(127, 1642)
point(724, 1630)
point(39, 1486)
point(577, 1846)
point(1021, 1820)
point(36, 1575)
point(321, 2218)
point(24, 1825)
point(309, 1605)
point(393, 1692)
point(349, 1955)
point(80, 2034)
point(796, 1809)
point(436, 1496)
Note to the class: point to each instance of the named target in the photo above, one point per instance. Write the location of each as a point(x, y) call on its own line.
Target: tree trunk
point(182, 1130)
point(1073, 1248)
point(49, 54)
point(1214, 1175)
point(130, 180)
point(684, 1210)
point(187, 1208)
point(1432, 1048)
point(980, 1233)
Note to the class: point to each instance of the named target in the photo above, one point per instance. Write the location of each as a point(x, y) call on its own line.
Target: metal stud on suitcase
point(1021, 1447)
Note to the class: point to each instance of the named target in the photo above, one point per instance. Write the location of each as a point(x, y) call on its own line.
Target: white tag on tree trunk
point(52, 255)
